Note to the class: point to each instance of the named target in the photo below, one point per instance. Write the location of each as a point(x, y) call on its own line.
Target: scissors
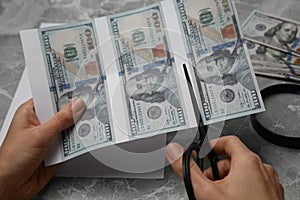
point(198, 142)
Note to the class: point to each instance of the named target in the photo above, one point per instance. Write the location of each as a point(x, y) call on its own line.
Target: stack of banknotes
point(128, 68)
point(274, 45)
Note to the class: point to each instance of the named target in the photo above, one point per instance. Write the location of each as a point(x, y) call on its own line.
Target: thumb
point(64, 118)
point(174, 154)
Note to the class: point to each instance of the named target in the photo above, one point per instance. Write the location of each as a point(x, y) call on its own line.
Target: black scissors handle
point(195, 146)
point(213, 159)
point(186, 159)
point(186, 169)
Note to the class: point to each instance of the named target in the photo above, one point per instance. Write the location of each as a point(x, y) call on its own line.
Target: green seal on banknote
point(206, 17)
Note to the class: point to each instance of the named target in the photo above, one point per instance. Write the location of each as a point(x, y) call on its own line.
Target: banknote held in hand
point(128, 69)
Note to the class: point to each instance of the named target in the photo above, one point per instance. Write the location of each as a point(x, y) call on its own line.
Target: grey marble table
point(16, 15)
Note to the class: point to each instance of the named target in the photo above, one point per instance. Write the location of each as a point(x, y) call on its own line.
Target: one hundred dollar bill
point(276, 32)
point(74, 70)
point(218, 55)
point(263, 53)
point(266, 66)
point(270, 62)
point(277, 70)
point(147, 70)
point(277, 75)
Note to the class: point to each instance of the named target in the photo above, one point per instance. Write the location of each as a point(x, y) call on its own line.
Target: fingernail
point(77, 105)
point(173, 152)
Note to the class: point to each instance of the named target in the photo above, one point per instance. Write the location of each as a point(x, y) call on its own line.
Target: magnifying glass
point(280, 123)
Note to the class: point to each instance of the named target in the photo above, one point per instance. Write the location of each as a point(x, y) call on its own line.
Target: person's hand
point(243, 175)
point(22, 170)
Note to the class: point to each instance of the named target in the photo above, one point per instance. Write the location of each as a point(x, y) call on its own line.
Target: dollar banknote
point(74, 70)
point(276, 67)
point(276, 32)
point(147, 69)
point(218, 55)
point(271, 62)
point(277, 75)
point(277, 70)
point(263, 53)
